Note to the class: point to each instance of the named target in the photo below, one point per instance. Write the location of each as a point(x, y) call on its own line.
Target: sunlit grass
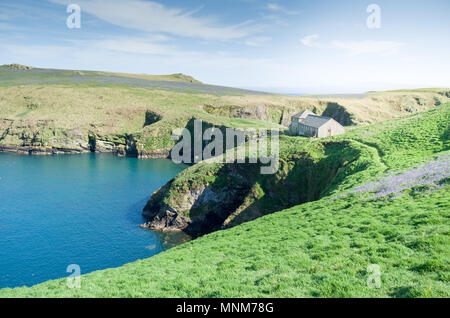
point(316, 249)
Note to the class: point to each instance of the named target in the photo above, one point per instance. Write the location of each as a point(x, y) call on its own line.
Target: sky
point(285, 46)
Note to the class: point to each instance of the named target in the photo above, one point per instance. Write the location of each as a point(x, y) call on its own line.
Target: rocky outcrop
point(348, 111)
point(281, 115)
point(43, 138)
point(40, 151)
point(19, 67)
point(206, 198)
point(445, 93)
point(39, 137)
point(200, 208)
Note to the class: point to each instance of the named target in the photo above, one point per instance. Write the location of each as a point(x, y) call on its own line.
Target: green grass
point(418, 90)
point(110, 112)
point(314, 250)
point(403, 142)
point(315, 168)
point(86, 101)
point(317, 249)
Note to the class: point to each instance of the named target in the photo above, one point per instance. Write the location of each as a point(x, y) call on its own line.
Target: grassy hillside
point(34, 72)
point(171, 78)
point(388, 207)
point(54, 111)
point(208, 196)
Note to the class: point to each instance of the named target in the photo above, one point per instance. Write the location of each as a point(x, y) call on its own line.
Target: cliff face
point(200, 205)
point(42, 137)
point(209, 197)
point(348, 111)
point(54, 119)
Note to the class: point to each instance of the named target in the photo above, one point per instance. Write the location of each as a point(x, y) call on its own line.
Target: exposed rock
point(201, 200)
point(233, 111)
point(40, 151)
point(42, 138)
point(199, 209)
point(17, 67)
point(280, 115)
point(155, 154)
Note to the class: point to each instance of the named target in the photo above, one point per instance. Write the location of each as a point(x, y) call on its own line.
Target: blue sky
point(290, 46)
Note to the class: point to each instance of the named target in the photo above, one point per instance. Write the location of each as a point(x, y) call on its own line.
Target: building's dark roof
point(315, 121)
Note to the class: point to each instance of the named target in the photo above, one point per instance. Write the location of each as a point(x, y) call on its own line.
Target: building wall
point(307, 131)
point(331, 128)
point(293, 128)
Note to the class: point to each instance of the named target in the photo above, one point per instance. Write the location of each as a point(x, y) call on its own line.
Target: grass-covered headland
point(378, 195)
point(47, 111)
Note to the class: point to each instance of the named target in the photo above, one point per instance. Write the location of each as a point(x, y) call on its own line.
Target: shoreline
point(52, 151)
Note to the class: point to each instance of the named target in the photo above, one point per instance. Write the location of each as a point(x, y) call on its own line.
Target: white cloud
point(309, 40)
point(258, 41)
point(272, 6)
point(354, 48)
point(151, 16)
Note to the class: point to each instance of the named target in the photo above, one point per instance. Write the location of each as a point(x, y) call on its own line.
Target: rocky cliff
point(53, 119)
point(42, 137)
point(365, 109)
point(213, 196)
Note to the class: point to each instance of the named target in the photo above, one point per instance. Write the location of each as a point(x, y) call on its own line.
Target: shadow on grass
point(338, 113)
point(239, 193)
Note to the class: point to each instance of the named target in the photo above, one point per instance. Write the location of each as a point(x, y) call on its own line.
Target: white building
point(309, 124)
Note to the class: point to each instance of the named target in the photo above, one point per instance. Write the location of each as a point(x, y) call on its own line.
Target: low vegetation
point(322, 248)
point(35, 103)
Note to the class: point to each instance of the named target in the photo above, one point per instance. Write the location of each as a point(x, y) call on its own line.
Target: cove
point(76, 209)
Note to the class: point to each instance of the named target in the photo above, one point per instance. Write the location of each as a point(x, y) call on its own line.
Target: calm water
point(75, 209)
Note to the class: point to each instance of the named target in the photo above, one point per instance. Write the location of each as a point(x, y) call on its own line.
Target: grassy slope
point(311, 167)
point(28, 99)
point(317, 249)
point(172, 77)
point(115, 104)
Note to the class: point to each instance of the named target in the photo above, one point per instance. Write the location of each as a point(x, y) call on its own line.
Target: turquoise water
point(75, 209)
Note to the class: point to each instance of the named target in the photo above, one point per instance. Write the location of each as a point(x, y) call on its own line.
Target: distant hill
point(16, 74)
point(53, 111)
point(179, 77)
